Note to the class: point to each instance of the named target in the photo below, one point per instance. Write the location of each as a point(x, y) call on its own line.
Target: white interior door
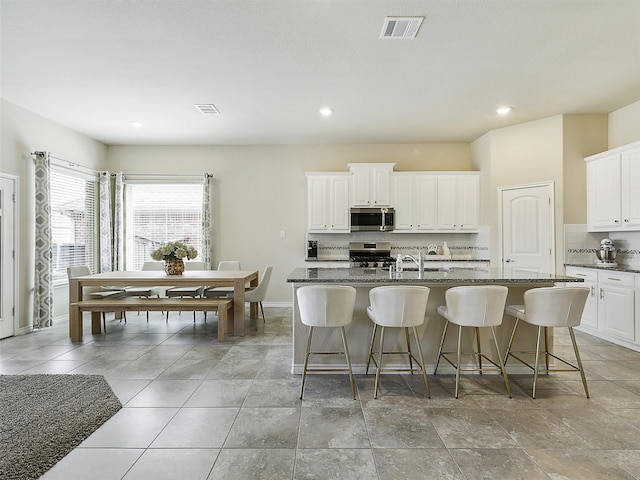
point(527, 228)
point(8, 278)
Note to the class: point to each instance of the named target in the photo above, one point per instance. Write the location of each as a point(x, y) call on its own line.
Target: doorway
point(8, 254)
point(527, 231)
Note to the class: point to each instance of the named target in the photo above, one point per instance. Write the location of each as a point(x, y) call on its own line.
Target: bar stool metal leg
point(306, 361)
point(579, 360)
point(459, 359)
point(373, 336)
point(504, 372)
point(424, 369)
point(444, 333)
point(348, 358)
point(375, 393)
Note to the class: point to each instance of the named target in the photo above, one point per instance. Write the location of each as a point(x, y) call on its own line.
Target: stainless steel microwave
point(372, 219)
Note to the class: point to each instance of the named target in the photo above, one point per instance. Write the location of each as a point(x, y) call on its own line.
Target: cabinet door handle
point(601, 293)
point(580, 275)
point(616, 221)
point(616, 279)
point(626, 220)
point(593, 291)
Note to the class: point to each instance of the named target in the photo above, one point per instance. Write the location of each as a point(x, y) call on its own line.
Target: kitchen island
point(438, 280)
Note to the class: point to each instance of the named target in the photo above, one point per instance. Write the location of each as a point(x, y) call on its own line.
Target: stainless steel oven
point(370, 254)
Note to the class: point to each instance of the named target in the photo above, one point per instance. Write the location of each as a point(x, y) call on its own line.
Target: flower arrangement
point(174, 250)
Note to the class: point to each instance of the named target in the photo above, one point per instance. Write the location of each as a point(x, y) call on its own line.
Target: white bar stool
point(550, 307)
point(397, 307)
point(323, 306)
point(474, 306)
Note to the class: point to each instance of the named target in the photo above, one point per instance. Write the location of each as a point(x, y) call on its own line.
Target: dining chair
point(211, 292)
point(229, 265)
point(475, 306)
point(550, 307)
point(181, 292)
point(95, 292)
point(253, 295)
point(402, 307)
point(258, 294)
point(146, 291)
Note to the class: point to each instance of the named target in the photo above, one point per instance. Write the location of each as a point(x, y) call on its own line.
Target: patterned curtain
point(106, 246)
point(118, 224)
point(43, 292)
point(206, 221)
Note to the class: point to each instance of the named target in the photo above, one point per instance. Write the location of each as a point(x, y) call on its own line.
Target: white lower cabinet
point(590, 276)
point(616, 304)
point(610, 311)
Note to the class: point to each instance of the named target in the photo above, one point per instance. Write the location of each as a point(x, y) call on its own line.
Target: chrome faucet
point(419, 261)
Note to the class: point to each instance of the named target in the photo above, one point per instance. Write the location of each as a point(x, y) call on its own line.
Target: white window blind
point(160, 212)
point(73, 221)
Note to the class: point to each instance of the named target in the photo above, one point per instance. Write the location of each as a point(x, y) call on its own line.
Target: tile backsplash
point(581, 245)
point(472, 246)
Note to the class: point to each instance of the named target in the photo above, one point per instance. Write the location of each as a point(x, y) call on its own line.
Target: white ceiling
point(269, 65)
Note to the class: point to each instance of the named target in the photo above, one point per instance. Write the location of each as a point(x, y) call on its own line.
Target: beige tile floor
point(198, 409)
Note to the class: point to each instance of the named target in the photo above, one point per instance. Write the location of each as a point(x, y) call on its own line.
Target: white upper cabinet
point(458, 202)
point(371, 184)
point(603, 193)
point(613, 189)
point(328, 202)
point(630, 160)
point(436, 202)
point(415, 201)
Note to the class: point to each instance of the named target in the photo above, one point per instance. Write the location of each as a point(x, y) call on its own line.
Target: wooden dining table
point(238, 279)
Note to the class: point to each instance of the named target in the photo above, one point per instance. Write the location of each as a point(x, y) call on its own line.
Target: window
point(160, 212)
point(73, 222)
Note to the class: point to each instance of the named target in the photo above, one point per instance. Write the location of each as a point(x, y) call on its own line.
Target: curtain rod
point(208, 175)
point(77, 165)
point(70, 164)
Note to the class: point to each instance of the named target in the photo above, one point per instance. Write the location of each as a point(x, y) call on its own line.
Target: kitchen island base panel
point(430, 334)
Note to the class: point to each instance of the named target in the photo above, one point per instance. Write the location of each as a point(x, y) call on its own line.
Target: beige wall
point(624, 125)
point(519, 155)
point(583, 135)
point(24, 132)
point(260, 191)
point(481, 155)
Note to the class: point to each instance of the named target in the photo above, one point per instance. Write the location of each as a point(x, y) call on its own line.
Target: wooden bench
point(224, 307)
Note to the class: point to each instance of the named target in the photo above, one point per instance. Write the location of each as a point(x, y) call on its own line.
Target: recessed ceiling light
point(503, 110)
point(326, 112)
point(135, 124)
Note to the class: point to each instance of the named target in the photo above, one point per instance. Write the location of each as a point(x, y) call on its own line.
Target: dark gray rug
point(44, 417)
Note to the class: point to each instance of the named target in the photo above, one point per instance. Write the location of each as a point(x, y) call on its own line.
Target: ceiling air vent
point(401, 27)
point(208, 109)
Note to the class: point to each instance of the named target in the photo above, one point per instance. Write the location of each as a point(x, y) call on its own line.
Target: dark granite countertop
point(429, 276)
point(618, 268)
point(427, 260)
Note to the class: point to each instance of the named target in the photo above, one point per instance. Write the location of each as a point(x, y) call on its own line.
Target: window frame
point(129, 206)
point(94, 266)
